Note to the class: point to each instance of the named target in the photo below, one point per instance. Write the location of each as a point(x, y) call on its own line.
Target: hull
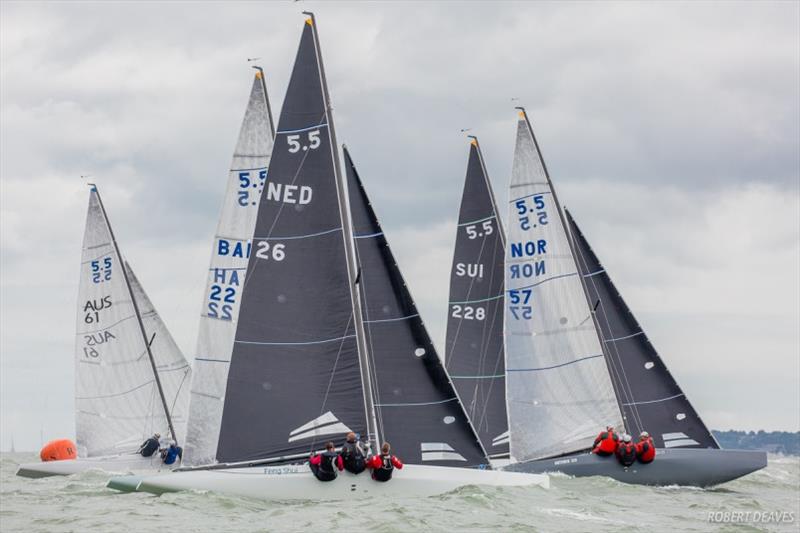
point(114, 463)
point(676, 466)
point(295, 482)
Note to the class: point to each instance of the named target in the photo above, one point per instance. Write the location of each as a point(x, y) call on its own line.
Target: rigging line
point(248, 275)
point(627, 390)
point(330, 380)
point(178, 390)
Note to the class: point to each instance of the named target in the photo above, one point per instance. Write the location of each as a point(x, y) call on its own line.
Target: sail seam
point(529, 195)
point(368, 235)
point(115, 394)
point(212, 360)
point(554, 366)
point(415, 404)
point(324, 125)
point(390, 319)
point(107, 327)
point(295, 343)
point(479, 377)
point(655, 401)
point(478, 301)
point(543, 281)
point(625, 337)
point(476, 221)
point(292, 237)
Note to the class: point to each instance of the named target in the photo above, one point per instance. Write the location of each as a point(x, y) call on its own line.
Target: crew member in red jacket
point(322, 465)
point(384, 464)
point(606, 442)
point(626, 451)
point(645, 449)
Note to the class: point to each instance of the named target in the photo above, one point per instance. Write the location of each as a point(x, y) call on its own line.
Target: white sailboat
point(309, 360)
point(131, 379)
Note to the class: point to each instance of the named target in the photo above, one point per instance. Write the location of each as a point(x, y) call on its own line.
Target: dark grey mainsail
point(418, 409)
point(649, 396)
point(474, 351)
point(294, 377)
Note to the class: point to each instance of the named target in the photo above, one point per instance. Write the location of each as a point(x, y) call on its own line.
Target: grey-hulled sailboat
point(475, 349)
point(577, 360)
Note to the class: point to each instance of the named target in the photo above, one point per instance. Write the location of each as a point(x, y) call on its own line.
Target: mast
point(373, 436)
point(573, 251)
point(138, 315)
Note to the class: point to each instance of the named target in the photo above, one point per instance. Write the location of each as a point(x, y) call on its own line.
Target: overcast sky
point(671, 130)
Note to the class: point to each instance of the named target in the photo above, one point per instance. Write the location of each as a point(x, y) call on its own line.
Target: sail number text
point(468, 312)
point(530, 212)
point(295, 144)
point(475, 230)
point(520, 299)
point(246, 183)
point(101, 271)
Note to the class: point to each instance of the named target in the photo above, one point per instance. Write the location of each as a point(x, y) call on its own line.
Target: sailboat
point(226, 275)
point(475, 354)
point(322, 290)
point(577, 360)
point(131, 379)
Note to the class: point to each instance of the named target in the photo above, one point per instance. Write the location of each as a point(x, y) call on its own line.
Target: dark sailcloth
point(418, 409)
point(474, 351)
point(294, 379)
point(649, 396)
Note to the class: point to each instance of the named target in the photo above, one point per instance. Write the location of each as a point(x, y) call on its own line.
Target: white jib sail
point(117, 403)
point(231, 249)
point(560, 394)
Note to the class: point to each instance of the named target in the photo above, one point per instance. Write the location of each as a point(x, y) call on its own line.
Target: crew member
point(645, 448)
point(384, 464)
point(353, 455)
point(626, 451)
point(150, 446)
point(322, 465)
point(172, 453)
point(606, 442)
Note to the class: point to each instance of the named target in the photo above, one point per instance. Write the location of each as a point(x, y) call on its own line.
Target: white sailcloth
point(559, 391)
point(117, 401)
point(226, 272)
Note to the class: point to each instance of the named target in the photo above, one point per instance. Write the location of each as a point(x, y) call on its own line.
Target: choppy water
point(82, 503)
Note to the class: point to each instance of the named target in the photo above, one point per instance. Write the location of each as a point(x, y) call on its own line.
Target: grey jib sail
point(294, 376)
point(649, 396)
point(418, 409)
point(474, 350)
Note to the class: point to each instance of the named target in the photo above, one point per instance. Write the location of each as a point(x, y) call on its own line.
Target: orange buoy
point(58, 450)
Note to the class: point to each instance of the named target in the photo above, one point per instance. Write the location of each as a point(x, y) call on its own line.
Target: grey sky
point(672, 131)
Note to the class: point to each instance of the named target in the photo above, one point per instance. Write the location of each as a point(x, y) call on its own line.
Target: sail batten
point(475, 355)
point(247, 176)
point(559, 388)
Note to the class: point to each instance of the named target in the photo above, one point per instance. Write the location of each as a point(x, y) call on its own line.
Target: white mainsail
point(559, 390)
point(117, 402)
point(222, 297)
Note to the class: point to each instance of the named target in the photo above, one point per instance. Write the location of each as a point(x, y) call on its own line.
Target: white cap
point(644, 434)
point(626, 438)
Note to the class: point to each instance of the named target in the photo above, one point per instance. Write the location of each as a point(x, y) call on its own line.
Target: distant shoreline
point(779, 442)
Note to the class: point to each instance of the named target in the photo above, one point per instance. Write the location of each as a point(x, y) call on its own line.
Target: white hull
point(296, 482)
point(112, 463)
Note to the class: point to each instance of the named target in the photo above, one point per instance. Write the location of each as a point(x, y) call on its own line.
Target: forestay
point(117, 402)
point(226, 275)
point(650, 398)
point(474, 351)
point(294, 378)
point(418, 409)
point(559, 390)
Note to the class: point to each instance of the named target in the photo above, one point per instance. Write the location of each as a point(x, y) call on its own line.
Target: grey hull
point(678, 466)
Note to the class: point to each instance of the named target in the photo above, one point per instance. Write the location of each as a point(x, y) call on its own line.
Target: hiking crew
point(150, 446)
point(383, 465)
point(645, 448)
point(322, 465)
point(606, 442)
point(626, 451)
point(353, 455)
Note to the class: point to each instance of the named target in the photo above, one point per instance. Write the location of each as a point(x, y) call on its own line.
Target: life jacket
point(353, 458)
point(171, 455)
point(149, 447)
point(606, 443)
point(645, 451)
point(326, 471)
point(626, 453)
point(384, 473)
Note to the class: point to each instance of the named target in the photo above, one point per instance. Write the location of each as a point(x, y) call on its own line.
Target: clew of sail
point(226, 275)
point(559, 389)
point(475, 349)
point(650, 398)
point(418, 409)
point(294, 371)
point(117, 401)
